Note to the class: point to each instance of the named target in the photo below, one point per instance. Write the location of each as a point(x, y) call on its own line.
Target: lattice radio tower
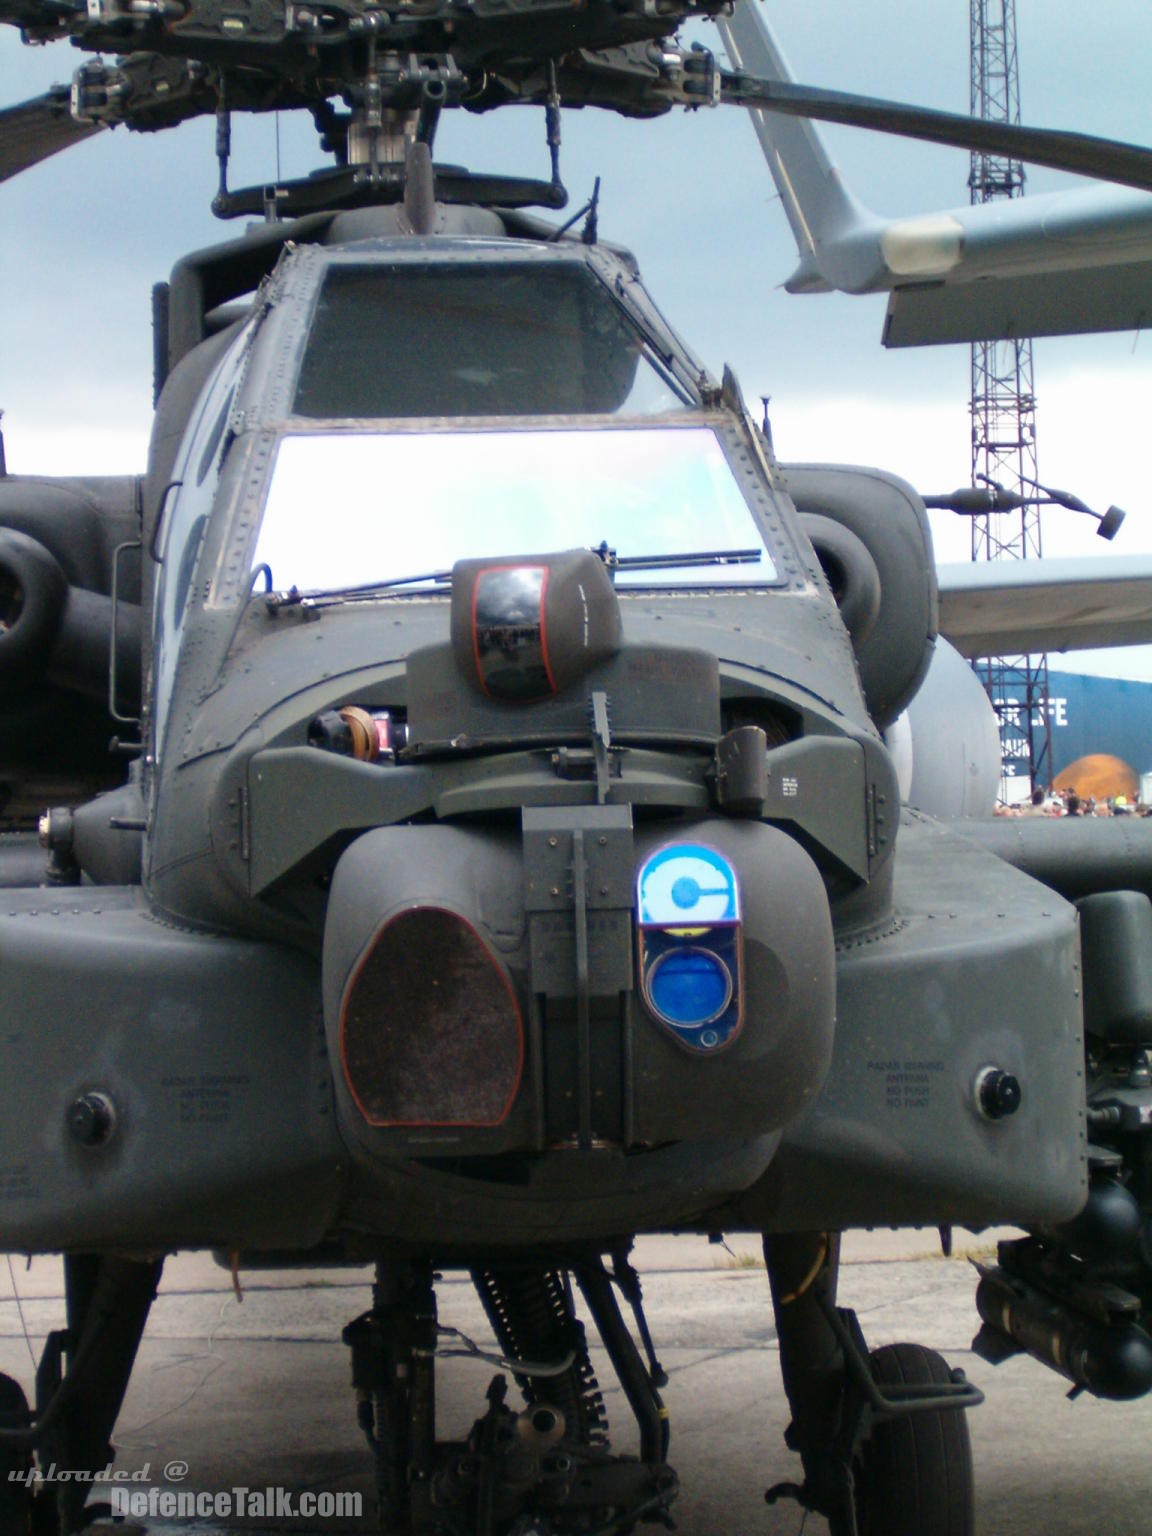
point(1004, 415)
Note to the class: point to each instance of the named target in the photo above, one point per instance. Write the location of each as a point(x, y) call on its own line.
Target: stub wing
point(1021, 606)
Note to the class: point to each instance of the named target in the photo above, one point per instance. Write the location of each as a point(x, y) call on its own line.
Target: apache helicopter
point(500, 856)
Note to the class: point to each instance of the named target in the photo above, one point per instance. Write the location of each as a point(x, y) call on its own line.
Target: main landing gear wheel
point(881, 1436)
point(913, 1474)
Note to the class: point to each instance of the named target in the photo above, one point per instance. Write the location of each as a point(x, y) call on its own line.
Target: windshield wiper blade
point(616, 562)
point(324, 597)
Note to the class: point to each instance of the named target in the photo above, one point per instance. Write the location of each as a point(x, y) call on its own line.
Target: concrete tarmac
point(255, 1393)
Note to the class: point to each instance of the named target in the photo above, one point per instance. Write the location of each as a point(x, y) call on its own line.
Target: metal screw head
point(92, 1119)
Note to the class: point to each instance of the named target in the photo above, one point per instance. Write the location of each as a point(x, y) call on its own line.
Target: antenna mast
point(1003, 410)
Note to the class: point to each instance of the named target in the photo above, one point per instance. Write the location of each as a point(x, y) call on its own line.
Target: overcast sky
point(84, 236)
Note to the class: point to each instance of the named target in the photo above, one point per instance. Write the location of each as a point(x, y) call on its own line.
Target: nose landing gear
point(547, 1470)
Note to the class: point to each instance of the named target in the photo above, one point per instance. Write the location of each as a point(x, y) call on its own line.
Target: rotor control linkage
point(621, 57)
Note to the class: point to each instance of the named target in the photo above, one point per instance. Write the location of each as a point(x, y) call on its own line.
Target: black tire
point(15, 1498)
point(914, 1474)
point(33, 591)
point(889, 519)
point(850, 572)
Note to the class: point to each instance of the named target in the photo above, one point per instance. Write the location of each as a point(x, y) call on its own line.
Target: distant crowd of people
point(1066, 802)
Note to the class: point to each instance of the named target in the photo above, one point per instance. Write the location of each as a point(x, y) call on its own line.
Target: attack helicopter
point(501, 856)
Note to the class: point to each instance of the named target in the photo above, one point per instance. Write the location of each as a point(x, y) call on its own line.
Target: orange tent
point(1100, 776)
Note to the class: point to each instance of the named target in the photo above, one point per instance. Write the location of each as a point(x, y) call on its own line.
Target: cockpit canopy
point(479, 400)
point(397, 340)
point(393, 407)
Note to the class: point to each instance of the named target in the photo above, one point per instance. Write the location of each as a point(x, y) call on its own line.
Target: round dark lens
point(689, 987)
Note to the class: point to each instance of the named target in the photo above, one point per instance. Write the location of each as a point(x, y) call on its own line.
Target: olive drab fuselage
point(502, 854)
point(514, 851)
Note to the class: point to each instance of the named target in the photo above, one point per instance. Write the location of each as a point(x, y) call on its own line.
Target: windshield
point(346, 509)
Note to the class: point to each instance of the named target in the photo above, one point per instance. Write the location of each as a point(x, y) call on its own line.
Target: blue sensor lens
point(689, 987)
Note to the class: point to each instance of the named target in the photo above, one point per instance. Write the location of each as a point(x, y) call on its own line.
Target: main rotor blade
point(34, 130)
point(1107, 159)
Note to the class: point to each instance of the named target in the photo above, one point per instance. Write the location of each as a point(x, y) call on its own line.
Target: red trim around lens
point(511, 565)
point(418, 906)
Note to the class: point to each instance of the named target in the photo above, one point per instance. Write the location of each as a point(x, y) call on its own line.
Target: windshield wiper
point(326, 597)
point(616, 562)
